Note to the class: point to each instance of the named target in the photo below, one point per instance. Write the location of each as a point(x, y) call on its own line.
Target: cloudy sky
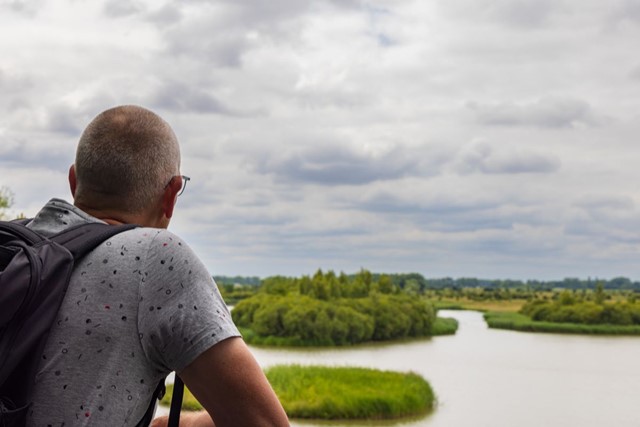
point(485, 138)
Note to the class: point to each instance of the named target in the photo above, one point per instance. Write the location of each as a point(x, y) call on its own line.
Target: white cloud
point(491, 138)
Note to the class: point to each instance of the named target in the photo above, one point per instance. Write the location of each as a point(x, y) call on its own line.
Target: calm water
point(493, 378)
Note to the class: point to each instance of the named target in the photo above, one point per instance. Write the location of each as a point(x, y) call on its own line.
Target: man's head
point(127, 162)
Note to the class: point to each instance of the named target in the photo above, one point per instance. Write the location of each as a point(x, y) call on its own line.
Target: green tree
point(6, 201)
point(277, 285)
point(599, 293)
point(320, 284)
point(566, 298)
point(385, 286)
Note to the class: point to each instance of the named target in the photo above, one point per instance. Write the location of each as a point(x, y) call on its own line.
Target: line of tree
point(416, 283)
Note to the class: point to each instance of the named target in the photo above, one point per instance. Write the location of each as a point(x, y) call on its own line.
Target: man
point(141, 304)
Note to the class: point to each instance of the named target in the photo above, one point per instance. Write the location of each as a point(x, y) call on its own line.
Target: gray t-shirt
point(138, 307)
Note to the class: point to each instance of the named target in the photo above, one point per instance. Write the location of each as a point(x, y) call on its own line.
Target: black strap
point(151, 409)
point(19, 229)
point(81, 239)
point(176, 402)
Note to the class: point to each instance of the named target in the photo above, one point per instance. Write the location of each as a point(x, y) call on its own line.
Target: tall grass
point(334, 393)
point(189, 402)
point(349, 393)
point(521, 322)
point(444, 326)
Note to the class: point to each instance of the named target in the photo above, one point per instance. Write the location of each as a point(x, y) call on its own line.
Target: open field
point(512, 306)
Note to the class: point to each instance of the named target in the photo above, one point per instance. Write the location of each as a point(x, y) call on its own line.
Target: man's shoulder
point(149, 235)
point(154, 243)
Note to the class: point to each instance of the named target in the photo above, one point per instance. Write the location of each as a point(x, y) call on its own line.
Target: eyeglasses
point(185, 179)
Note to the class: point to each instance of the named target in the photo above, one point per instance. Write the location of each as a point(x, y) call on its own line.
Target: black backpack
point(34, 275)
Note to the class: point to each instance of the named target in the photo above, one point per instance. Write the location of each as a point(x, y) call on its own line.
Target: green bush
point(302, 319)
point(569, 309)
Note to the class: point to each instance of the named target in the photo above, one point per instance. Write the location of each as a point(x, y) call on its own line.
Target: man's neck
point(116, 218)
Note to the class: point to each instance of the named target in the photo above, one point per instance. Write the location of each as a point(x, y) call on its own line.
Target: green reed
point(521, 322)
point(335, 393)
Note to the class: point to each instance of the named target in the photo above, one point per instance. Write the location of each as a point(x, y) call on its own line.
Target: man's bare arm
point(229, 383)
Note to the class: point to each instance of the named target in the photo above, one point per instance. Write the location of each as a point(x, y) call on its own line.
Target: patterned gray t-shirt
point(138, 307)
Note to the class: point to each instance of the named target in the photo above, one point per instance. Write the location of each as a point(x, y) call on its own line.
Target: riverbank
point(521, 322)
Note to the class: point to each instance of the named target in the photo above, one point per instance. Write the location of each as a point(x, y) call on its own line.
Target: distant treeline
point(417, 283)
point(237, 280)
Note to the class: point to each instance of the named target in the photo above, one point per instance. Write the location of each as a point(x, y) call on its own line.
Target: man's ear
point(72, 180)
point(169, 197)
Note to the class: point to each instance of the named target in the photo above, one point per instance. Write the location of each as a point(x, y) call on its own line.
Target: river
point(494, 378)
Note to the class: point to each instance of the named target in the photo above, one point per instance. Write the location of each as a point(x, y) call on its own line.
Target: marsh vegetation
point(343, 393)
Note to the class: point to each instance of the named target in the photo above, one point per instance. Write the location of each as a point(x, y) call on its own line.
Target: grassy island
point(570, 313)
point(342, 393)
point(523, 323)
point(330, 310)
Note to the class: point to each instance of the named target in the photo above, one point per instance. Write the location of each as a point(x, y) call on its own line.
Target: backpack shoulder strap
point(19, 229)
point(81, 239)
point(176, 402)
point(151, 409)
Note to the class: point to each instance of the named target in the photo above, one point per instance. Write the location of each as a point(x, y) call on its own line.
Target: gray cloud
point(17, 152)
point(15, 84)
point(24, 7)
point(339, 164)
point(550, 112)
point(316, 97)
point(605, 220)
point(181, 97)
point(61, 119)
point(205, 41)
point(532, 13)
point(626, 10)
point(606, 202)
point(220, 34)
point(122, 8)
point(520, 13)
point(166, 15)
point(436, 206)
point(466, 211)
point(484, 158)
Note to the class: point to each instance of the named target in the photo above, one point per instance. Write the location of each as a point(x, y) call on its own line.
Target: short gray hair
point(125, 158)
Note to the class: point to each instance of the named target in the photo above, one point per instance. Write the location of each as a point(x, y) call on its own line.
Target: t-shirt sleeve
point(181, 313)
